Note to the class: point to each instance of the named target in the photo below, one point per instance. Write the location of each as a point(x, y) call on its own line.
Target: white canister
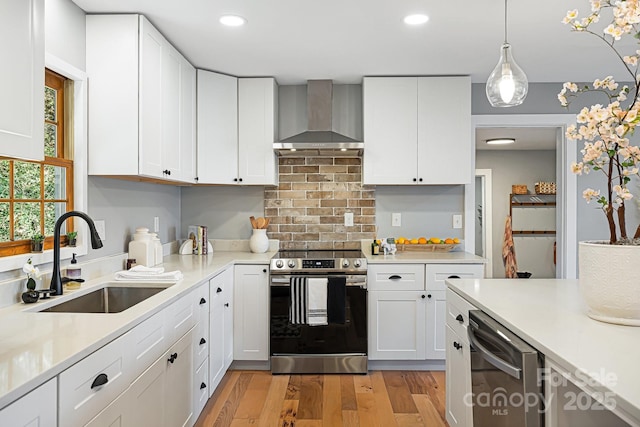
point(157, 248)
point(141, 248)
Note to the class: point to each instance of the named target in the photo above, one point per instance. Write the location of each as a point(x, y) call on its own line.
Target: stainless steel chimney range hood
point(319, 140)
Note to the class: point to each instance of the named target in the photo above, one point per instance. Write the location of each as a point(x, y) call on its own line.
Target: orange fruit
point(448, 241)
point(422, 240)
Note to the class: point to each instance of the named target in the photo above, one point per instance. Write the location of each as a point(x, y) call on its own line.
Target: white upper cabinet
point(141, 101)
point(417, 130)
point(257, 131)
point(217, 128)
point(22, 79)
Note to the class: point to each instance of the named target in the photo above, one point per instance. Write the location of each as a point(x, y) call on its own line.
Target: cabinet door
point(217, 128)
point(397, 322)
point(178, 399)
point(436, 324)
point(216, 331)
point(458, 381)
point(228, 305)
point(390, 130)
point(200, 388)
point(145, 398)
point(22, 79)
point(257, 118)
point(187, 121)
point(251, 313)
point(170, 145)
point(37, 408)
point(150, 98)
point(444, 130)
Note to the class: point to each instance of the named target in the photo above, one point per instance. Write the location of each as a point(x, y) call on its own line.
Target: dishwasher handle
point(487, 355)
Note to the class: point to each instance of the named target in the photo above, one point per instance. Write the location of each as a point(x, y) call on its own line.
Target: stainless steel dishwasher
point(505, 382)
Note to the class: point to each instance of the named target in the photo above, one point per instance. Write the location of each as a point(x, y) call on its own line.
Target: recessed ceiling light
point(232, 20)
point(501, 141)
point(417, 19)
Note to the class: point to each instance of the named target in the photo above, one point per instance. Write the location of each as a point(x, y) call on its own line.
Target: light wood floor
point(381, 398)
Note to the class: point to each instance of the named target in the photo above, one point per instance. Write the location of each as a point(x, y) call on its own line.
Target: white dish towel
point(317, 302)
point(149, 274)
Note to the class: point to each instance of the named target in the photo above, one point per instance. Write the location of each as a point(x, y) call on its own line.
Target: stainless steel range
point(318, 320)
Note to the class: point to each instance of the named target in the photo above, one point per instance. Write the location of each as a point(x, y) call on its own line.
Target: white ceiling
point(343, 40)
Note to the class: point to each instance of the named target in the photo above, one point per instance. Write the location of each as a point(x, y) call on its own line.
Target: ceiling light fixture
point(232, 20)
point(507, 84)
point(500, 141)
point(417, 19)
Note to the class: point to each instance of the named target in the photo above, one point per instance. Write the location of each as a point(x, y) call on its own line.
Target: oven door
point(296, 339)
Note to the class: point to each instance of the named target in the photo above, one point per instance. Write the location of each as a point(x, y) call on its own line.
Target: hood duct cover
point(319, 139)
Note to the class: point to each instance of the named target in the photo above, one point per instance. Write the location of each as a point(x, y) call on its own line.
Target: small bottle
point(375, 248)
point(73, 273)
point(157, 248)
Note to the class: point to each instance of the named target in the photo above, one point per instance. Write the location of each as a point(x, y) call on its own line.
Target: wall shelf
point(531, 201)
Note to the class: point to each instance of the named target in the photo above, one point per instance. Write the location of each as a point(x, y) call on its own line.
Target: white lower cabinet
point(436, 317)
point(221, 326)
point(36, 408)
point(251, 313)
point(458, 381)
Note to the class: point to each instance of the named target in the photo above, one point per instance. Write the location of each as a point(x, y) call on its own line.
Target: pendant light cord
point(505, 21)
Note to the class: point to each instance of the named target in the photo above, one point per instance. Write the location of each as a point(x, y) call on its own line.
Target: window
point(34, 194)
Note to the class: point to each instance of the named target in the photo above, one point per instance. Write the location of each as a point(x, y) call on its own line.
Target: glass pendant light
point(507, 84)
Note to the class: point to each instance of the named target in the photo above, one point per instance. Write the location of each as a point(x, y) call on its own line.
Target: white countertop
point(38, 346)
point(550, 315)
point(417, 257)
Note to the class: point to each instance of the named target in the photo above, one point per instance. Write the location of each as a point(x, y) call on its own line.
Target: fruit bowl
point(427, 247)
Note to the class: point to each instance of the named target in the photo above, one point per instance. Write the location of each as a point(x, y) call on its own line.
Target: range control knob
point(291, 263)
point(279, 263)
point(357, 263)
point(345, 263)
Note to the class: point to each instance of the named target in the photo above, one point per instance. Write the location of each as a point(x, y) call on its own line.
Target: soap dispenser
point(73, 274)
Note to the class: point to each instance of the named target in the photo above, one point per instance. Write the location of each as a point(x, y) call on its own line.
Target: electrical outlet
point(100, 228)
point(156, 224)
point(457, 221)
point(348, 219)
point(396, 219)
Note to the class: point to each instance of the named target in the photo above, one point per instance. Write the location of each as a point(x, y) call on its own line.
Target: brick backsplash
point(307, 208)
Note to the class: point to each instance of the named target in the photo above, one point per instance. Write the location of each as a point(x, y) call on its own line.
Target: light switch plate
point(348, 219)
point(396, 219)
point(457, 221)
point(100, 228)
point(156, 224)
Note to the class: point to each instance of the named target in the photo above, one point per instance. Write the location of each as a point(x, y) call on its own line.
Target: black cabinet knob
point(101, 379)
point(420, 180)
point(226, 304)
point(459, 318)
point(173, 357)
point(203, 385)
point(196, 179)
point(168, 172)
point(202, 341)
point(395, 277)
point(414, 179)
point(428, 295)
point(264, 270)
point(423, 296)
point(240, 179)
point(203, 301)
point(457, 345)
point(218, 290)
point(235, 179)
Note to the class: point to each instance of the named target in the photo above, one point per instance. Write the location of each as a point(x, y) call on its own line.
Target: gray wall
point(515, 167)
point(224, 210)
point(426, 210)
point(125, 205)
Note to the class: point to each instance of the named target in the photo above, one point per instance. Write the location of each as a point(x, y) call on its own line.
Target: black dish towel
point(298, 302)
point(336, 299)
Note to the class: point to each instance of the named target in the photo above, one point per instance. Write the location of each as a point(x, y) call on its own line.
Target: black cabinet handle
point(428, 295)
point(423, 296)
point(395, 277)
point(414, 179)
point(218, 290)
point(203, 385)
point(168, 172)
point(235, 179)
point(202, 341)
point(453, 276)
point(264, 270)
point(203, 301)
point(420, 180)
point(101, 379)
point(196, 179)
point(459, 318)
point(173, 357)
point(240, 179)
point(457, 346)
point(226, 304)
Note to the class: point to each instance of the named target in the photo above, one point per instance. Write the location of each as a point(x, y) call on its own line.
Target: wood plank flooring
point(380, 398)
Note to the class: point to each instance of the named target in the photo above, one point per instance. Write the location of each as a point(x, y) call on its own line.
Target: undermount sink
point(113, 298)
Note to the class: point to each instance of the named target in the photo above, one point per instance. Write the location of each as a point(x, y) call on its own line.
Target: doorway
point(483, 215)
point(565, 212)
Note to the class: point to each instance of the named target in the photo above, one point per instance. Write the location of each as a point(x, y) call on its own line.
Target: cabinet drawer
point(200, 388)
point(201, 301)
point(396, 277)
point(181, 317)
point(436, 274)
point(80, 396)
point(458, 314)
point(148, 342)
point(200, 342)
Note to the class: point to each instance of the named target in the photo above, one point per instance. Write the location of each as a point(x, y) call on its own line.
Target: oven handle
point(351, 280)
point(487, 355)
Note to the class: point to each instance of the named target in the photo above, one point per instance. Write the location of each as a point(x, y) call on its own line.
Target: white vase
point(609, 282)
point(259, 242)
